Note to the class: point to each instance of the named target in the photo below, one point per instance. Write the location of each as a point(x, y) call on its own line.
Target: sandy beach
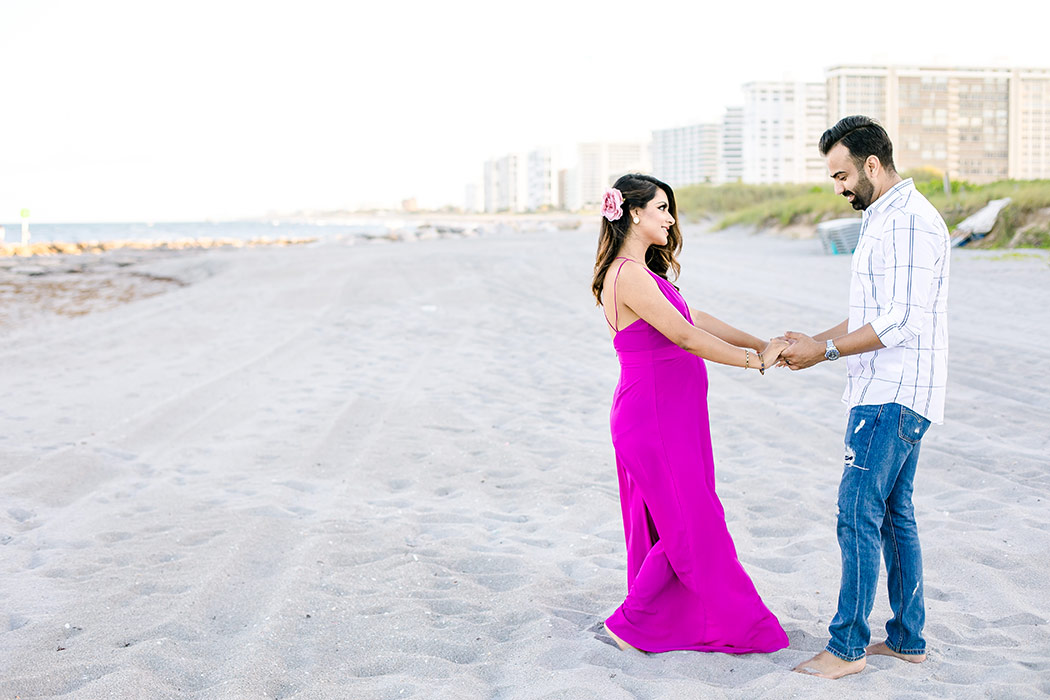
point(383, 470)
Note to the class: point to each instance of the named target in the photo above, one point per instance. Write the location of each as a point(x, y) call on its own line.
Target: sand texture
point(383, 470)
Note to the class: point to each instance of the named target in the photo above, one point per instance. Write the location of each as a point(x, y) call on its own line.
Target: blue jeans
point(875, 511)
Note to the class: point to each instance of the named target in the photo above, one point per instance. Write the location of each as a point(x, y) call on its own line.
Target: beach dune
point(383, 470)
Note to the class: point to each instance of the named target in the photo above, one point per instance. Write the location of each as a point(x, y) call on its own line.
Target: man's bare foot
point(624, 646)
point(881, 649)
point(827, 665)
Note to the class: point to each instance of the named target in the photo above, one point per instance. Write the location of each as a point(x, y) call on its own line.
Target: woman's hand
point(781, 362)
point(772, 351)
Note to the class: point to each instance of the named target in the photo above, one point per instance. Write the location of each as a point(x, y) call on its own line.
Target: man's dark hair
point(863, 137)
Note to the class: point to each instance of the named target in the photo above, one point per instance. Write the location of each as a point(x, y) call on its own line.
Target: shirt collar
point(887, 197)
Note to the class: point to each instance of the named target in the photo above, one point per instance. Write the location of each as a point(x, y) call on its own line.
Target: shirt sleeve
point(911, 250)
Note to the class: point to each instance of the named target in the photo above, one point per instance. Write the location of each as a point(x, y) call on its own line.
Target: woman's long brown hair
point(637, 190)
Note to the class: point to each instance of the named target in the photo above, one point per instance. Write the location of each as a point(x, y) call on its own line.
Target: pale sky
point(132, 110)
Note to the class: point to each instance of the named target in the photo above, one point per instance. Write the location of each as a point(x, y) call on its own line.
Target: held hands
point(772, 352)
point(802, 351)
point(793, 350)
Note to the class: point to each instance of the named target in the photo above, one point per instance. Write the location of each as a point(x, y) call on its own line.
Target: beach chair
point(839, 236)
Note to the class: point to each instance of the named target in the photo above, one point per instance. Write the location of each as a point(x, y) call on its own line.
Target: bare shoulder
point(636, 275)
point(625, 274)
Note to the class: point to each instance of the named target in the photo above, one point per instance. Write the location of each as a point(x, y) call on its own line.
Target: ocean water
point(243, 230)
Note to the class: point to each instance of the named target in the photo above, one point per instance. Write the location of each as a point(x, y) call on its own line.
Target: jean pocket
point(912, 426)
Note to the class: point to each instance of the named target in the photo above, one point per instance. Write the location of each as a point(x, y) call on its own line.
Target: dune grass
point(760, 205)
point(1025, 223)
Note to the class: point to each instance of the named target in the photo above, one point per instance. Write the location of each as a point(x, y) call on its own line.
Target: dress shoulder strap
point(616, 309)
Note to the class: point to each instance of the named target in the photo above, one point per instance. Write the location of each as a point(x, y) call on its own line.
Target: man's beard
point(862, 193)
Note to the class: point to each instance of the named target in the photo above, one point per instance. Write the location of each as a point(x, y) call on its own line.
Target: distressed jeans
point(875, 512)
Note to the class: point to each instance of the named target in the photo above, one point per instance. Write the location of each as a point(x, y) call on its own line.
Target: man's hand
point(781, 362)
point(771, 353)
point(803, 352)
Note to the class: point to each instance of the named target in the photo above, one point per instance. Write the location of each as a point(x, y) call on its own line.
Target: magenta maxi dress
point(686, 589)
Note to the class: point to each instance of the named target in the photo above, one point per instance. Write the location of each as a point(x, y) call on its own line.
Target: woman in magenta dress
point(685, 587)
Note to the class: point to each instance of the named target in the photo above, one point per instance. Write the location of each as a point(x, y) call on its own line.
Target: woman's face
point(654, 221)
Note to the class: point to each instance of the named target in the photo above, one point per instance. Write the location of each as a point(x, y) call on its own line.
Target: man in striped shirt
point(895, 342)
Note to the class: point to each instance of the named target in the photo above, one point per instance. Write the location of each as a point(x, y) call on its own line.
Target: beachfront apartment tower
point(1030, 124)
point(569, 189)
point(505, 184)
point(600, 163)
point(976, 124)
point(731, 157)
point(687, 155)
point(541, 180)
point(782, 124)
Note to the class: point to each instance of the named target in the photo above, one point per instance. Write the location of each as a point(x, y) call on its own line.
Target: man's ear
point(872, 165)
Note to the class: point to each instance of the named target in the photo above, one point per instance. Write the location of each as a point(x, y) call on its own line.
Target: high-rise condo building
point(601, 163)
point(541, 180)
point(1030, 125)
point(731, 159)
point(782, 124)
point(687, 155)
point(976, 124)
point(505, 184)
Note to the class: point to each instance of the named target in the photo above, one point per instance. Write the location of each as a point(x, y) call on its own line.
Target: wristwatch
point(832, 353)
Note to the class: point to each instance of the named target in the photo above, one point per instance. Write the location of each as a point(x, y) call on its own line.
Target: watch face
point(832, 354)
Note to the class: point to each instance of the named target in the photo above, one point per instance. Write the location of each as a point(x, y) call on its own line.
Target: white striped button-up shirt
point(899, 284)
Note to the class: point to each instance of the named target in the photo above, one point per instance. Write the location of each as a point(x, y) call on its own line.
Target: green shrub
point(783, 205)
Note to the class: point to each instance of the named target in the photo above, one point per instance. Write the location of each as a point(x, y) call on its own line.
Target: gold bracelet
point(747, 359)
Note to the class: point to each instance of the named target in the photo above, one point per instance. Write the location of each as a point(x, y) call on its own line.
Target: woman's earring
point(636, 220)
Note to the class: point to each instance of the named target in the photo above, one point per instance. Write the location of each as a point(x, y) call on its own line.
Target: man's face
point(850, 182)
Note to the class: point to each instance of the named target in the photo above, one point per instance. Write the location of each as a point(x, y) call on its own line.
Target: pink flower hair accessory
point(612, 203)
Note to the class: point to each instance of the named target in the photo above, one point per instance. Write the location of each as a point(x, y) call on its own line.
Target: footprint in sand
point(23, 517)
point(114, 537)
point(299, 486)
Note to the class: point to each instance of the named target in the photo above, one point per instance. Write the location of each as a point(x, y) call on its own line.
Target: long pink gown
point(686, 589)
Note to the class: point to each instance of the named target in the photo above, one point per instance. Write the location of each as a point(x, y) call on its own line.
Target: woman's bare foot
point(827, 665)
point(624, 646)
point(882, 650)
